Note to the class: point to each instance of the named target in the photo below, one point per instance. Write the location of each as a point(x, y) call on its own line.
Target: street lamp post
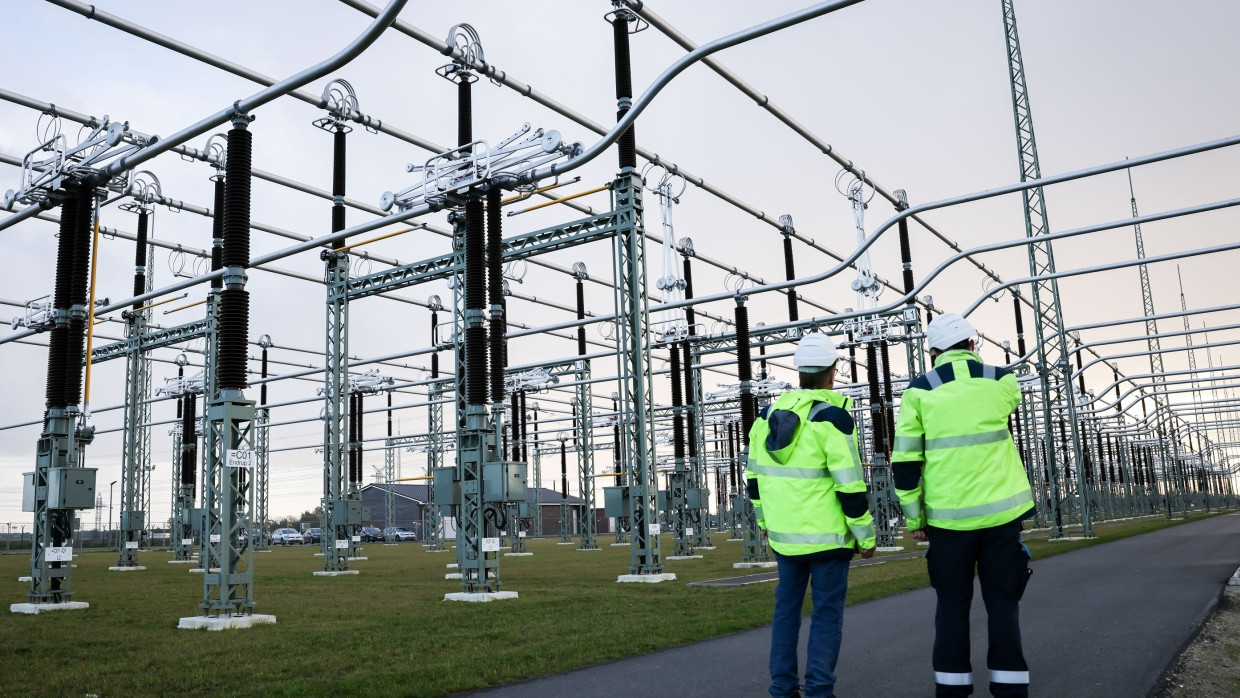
point(110, 490)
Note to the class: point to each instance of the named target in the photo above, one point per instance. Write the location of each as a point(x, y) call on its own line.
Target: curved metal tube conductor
point(242, 106)
point(640, 104)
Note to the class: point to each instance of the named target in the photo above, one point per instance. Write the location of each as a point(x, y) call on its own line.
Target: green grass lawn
point(387, 631)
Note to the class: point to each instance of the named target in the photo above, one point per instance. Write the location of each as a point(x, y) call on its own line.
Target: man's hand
point(867, 553)
point(919, 535)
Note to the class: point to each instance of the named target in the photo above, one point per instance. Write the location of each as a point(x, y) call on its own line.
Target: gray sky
point(916, 93)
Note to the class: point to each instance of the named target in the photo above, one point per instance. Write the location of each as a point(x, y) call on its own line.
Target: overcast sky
point(915, 93)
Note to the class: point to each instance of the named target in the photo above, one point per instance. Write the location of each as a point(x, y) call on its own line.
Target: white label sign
point(342, 544)
point(357, 539)
point(688, 530)
point(187, 541)
point(520, 534)
point(490, 545)
point(62, 553)
point(655, 529)
point(215, 537)
point(240, 458)
point(131, 545)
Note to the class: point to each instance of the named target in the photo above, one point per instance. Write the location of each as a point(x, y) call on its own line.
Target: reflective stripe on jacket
point(804, 476)
point(953, 460)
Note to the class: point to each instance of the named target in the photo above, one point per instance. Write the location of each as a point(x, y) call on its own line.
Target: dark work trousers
point(1001, 562)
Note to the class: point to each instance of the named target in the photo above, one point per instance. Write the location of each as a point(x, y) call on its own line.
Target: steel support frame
point(226, 554)
point(636, 389)
point(336, 509)
point(135, 447)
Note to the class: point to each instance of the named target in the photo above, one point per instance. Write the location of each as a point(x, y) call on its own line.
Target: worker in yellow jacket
point(805, 480)
point(962, 487)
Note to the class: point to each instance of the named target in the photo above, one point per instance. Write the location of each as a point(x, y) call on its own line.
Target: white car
point(286, 536)
point(399, 533)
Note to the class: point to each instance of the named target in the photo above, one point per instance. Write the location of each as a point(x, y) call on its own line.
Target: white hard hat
point(948, 330)
point(815, 352)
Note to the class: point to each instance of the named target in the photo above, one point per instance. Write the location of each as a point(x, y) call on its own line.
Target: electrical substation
point(415, 295)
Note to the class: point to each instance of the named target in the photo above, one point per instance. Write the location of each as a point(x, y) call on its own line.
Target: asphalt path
point(1104, 621)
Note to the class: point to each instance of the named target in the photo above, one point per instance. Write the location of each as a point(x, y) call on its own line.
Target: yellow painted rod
point(166, 300)
point(410, 479)
point(183, 307)
point(375, 239)
point(607, 475)
point(519, 197)
point(570, 197)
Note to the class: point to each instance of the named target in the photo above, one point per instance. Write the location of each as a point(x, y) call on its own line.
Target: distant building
point(410, 506)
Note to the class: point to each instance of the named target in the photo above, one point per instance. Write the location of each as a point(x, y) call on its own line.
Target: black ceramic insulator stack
point(678, 420)
point(732, 455)
point(1080, 372)
point(525, 425)
point(1087, 462)
point(906, 256)
point(235, 302)
point(690, 320)
point(624, 87)
point(688, 371)
point(852, 359)
point(1063, 439)
point(888, 402)
point(189, 442)
point(75, 347)
point(475, 299)
point(495, 289)
point(1118, 407)
point(876, 400)
point(139, 259)
point(434, 342)
point(361, 436)
point(1101, 456)
point(217, 233)
point(233, 331)
point(516, 425)
point(263, 390)
point(1020, 325)
point(60, 300)
point(615, 434)
point(338, 162)
point(581, 315)
point(564, 469)
point(464, 112)
point(744, 372)
point(389, 414)
point(790, 274)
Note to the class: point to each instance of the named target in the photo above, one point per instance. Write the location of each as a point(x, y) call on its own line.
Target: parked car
point(399, 533)
point(286, 536)
point(312, 535)
point(370, 534)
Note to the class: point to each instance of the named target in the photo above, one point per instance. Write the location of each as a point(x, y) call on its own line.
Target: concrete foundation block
point(683, 557)
point(704, 547)
point(587, 550)
point(225, 622)
point(753, 565)
point(451, 565)
point(335, 573)
point(479, 597)
point(646, 578)
point(135, 568)
point(889, 548)
point(617, 545)
point(182, 562)
point(35, 609)
point(452, 575)
point(517, 554)
point(25, 579)
point(352, 559)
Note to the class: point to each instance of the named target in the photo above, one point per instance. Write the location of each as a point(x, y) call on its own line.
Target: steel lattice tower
point(1052, 349)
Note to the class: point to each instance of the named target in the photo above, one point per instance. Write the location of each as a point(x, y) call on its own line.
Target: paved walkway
point(1104, 621)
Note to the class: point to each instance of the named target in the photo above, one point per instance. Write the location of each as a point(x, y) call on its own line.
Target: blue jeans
point(827, 575)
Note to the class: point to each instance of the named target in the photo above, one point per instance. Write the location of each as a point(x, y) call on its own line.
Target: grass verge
point(387, 631)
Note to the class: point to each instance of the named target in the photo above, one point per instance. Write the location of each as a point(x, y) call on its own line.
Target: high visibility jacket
point(804, 476)
point(953, 460)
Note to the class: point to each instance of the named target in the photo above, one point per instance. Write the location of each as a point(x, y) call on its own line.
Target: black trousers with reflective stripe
point(1001, 564)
